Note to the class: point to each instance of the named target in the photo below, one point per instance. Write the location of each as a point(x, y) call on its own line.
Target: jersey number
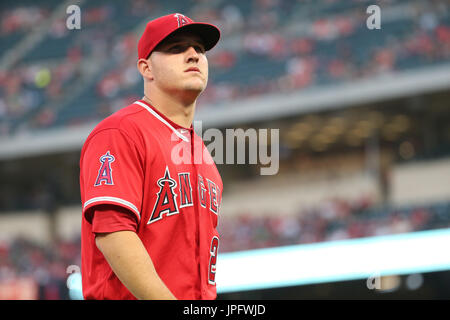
point(212, 260)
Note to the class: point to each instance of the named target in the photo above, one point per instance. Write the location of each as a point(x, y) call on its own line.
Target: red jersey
point(162, 174)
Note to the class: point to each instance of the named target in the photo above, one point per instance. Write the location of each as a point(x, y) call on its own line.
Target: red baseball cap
point(159, 29)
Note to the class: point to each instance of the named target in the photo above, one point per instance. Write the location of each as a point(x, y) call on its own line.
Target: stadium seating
point(339, 48)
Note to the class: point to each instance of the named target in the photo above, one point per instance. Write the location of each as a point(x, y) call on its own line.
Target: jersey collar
point(176, 128)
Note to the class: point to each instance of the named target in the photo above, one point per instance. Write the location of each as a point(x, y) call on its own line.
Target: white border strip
point(162, 120)
point(116, 200)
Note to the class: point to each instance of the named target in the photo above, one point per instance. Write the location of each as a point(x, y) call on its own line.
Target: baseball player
point(149, 219)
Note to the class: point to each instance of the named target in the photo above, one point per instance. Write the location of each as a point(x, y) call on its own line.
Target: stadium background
point(363, 118)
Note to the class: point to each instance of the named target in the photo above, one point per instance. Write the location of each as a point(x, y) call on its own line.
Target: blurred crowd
point(22, 19)
point(336, 219)
point(44, 268)
point(295, 51)
point(25, 91)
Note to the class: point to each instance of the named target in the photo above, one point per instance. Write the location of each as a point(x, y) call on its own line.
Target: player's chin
point(198, 86)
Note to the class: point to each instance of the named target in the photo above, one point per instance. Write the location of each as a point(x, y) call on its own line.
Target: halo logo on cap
point(182, 20)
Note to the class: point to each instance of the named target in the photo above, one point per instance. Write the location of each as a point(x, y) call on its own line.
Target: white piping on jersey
point(162, 120)
point(114, 199)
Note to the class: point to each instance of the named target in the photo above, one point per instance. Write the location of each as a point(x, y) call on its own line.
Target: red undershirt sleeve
point(110, 218)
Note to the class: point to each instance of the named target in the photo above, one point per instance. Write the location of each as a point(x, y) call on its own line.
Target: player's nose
point(192, 54)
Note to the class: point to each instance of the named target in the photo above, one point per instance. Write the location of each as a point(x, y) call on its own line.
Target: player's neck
point(177, 110)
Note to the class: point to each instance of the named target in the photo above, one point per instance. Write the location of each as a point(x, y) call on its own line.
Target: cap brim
point(209, 33)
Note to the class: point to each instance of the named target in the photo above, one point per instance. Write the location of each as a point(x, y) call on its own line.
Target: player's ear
point(144, 68)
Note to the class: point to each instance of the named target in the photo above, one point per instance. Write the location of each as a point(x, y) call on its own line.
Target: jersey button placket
point(196, 212)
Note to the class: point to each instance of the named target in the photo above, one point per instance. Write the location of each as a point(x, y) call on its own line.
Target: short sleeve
point(111, 172)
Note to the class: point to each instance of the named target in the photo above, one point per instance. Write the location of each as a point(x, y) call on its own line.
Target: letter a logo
point(105, 171)
point(182, 20)
point(166, 201)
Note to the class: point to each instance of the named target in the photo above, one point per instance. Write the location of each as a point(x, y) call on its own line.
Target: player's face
point(179, 63)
